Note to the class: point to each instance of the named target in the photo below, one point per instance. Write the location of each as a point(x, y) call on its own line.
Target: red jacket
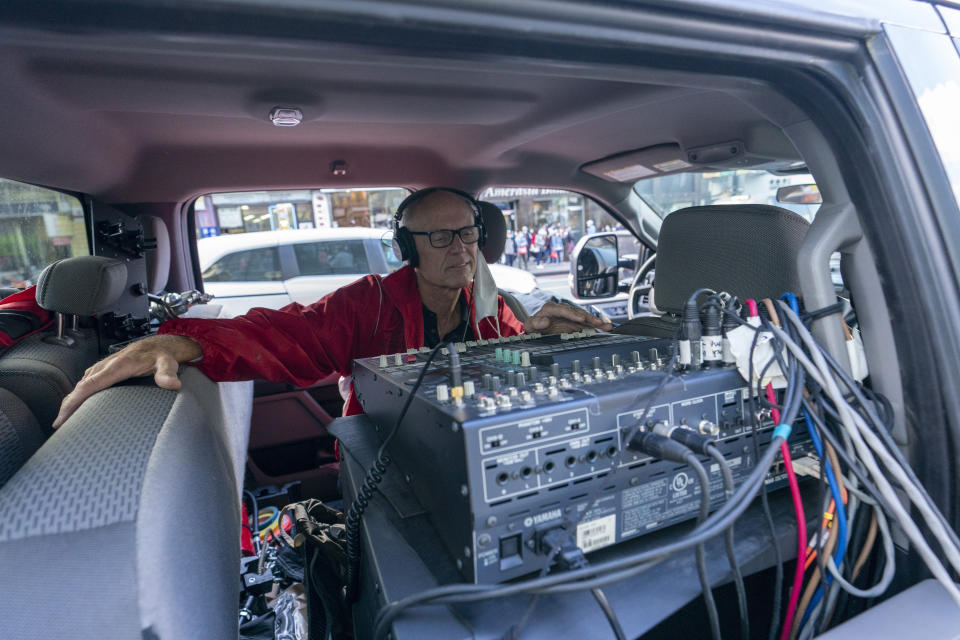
point(302, 344)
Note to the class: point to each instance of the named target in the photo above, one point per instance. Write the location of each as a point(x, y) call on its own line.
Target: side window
point(393, 260)
point(252, 265)
point(37, 226)
point(331, 257)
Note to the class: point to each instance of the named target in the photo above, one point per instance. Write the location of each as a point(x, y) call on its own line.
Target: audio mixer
point(534, 436)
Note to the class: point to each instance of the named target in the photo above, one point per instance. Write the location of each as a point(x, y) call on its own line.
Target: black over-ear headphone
point(403, 239)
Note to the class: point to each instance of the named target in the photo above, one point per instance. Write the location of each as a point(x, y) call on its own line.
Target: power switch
point(510, 546)
point(510, 549)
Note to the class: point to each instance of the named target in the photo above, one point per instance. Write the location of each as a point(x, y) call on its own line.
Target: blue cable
point(791, 300)
point(841, 517)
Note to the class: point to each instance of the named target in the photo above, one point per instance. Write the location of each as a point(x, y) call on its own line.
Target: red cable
point(801, 523)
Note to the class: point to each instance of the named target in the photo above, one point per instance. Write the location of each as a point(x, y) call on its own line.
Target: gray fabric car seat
point(748, 250)
point(496, 228)
point(20, 435)
point(41, 370)
point(125, 523)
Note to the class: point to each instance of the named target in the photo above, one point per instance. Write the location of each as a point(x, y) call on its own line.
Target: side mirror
point(800, 194)
point(597, 267)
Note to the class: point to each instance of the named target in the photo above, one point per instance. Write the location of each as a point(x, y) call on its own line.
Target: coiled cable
point(373, 478)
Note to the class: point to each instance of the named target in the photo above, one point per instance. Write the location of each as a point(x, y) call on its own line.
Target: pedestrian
point(540, 241)
point(556, 246)
point(510, 249)
point(523, 248)
point(568, 240)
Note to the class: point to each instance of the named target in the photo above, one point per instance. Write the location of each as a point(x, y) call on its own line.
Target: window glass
point(331, 257)
point(543, 225)
point(37, 226)
point(220, 214)
point(393, 260)
point(252, 265)
point(666, 194)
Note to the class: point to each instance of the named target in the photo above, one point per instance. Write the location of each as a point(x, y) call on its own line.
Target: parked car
point(274, 268)
point(125, 522)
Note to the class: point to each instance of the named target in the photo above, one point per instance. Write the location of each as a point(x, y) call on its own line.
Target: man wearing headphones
point(444, 293)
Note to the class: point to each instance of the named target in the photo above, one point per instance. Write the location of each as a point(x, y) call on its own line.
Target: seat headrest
point(496, 227)
point(748, 250)
point(83, 286)
point(157, 255)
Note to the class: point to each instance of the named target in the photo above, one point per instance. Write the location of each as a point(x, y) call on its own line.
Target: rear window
point(252, 265)
point(331, 257)
point(37, 226)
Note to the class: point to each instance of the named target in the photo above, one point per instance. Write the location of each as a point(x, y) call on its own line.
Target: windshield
point(666, 194)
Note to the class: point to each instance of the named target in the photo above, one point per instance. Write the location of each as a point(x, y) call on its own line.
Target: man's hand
point(158, 355)
point(563, 318)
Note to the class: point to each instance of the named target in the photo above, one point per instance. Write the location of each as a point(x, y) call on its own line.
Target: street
point(555, 284)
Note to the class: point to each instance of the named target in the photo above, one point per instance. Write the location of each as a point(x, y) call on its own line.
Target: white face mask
point(484, 296)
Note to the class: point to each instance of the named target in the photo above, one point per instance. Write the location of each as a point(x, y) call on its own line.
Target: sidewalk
point(548, 269)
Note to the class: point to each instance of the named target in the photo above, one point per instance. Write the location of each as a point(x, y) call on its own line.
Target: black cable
point(255, 527)
point(373, 478)
point(701, 556)
point(728, 486)
point(608, 611)
point(608, 571)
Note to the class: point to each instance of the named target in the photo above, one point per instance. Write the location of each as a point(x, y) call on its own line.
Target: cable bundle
point(850, 428)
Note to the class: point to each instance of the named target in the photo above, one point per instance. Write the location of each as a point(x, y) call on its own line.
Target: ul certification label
point(597, 533)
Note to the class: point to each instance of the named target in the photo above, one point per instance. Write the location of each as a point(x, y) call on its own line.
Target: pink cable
point(752, 308)
point(801, 522)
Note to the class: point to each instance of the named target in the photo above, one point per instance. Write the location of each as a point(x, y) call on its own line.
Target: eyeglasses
point(442, 238)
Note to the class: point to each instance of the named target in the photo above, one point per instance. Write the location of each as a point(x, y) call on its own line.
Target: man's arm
point(563, 318)
point(159, 356)
point(297, 344)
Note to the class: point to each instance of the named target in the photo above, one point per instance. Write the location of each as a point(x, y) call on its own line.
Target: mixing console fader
point(536, 427)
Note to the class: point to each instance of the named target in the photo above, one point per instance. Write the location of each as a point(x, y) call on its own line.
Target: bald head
point(436, 205)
